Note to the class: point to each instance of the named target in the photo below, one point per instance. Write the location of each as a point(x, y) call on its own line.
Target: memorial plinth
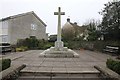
point(59, 50)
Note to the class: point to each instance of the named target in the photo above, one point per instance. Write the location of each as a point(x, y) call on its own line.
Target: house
point(74, 31)
point(22, 26)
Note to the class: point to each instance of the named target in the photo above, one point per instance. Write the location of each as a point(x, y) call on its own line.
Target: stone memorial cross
point(59, 43)
point(59, 51)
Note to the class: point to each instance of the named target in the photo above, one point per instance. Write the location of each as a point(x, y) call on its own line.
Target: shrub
point(22, 48)
point(47, 46)
point(5, 63)
point(18, 50)
point(113, 65)
point(72, 44)
point(31, 43)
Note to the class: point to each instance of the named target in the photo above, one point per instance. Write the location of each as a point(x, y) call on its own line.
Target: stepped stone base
point(59, 53)
point(45, 73)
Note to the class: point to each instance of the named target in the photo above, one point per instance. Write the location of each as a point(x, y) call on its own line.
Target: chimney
point(68, 19)
point(75, 23)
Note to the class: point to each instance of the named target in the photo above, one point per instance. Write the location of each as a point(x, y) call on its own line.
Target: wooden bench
point(5, 47)
point(112, 49)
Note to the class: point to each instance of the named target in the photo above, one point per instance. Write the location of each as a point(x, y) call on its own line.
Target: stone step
point(47, 71)
point(62, 52)
point(57, 78)
point(59, 74)
point(55, 73)
point(34, 78)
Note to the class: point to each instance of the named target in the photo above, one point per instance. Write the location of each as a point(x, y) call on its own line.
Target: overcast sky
point(77, 10)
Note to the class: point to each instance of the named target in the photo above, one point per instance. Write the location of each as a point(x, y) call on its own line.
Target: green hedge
point(45, 45)
point(113, 65)
point(22, 48)
point(6, 63)
point(33, 43)
point(30, 43)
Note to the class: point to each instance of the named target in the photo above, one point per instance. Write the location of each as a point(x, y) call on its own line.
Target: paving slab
point(86, 59)
point(59, 78)
point(59, 70)
point(42, 78)
point(45, 69)
point(26, 78)
point(58, 66)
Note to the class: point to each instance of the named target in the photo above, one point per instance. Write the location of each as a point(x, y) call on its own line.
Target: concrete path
point(86, 59)
point(34, 64)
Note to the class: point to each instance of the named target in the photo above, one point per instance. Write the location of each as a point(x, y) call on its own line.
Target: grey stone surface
point(86, 59)
point(60, 78)
point(26, 78)
point(42, 78)
point(59, 70)
point(72, 67)
point(61, 52)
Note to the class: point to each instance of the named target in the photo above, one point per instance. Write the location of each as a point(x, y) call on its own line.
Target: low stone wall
point(11, 73)
point(107, 73)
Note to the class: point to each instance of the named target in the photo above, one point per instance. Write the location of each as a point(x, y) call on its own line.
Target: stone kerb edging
point(107, 73)
point(11, 72)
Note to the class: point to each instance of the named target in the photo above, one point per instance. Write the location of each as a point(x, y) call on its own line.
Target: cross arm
point(61, 13)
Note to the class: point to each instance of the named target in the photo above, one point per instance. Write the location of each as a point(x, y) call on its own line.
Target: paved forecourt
point(59, 66)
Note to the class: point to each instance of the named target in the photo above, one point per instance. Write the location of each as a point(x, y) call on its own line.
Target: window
point(33, 26)
point(4, 25)
point(4, 38)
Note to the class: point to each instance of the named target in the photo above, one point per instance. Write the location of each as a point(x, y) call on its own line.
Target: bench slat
point(111, 49)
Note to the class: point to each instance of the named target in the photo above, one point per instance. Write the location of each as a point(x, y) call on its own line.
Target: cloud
point(78, 10)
